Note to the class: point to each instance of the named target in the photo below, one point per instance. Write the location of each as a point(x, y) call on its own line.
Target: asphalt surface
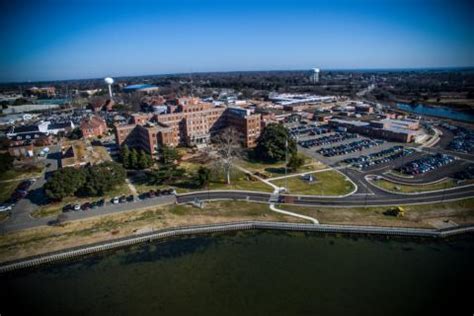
point(365, 195)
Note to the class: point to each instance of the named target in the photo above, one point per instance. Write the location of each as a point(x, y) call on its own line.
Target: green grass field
point(403, 188)
point(326, 183)
point(278, 169)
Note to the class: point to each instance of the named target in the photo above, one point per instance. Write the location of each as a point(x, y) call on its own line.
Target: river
point(438, 111)
point(254, 273)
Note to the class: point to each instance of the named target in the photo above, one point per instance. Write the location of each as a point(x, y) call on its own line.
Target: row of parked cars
point(352, 147)
point(308, 129)
point(426, 164)
point(327, 140)
point(463, 140)
point(118, 200)
point(466, 174)
point(20, 192)
point(380, 157)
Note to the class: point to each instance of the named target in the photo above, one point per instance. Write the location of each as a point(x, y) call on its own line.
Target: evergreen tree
point(203, 176)
point(296, 161)
point(133, 159)
point(144, 160)
point(65, 182)
point(125, 155)
point(169, 155)
point(271, 145)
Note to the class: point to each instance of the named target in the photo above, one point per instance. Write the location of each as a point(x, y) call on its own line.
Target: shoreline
point(164, 234)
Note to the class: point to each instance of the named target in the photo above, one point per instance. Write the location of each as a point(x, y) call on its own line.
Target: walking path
point(311, 219)
point(257, 177)
point(300, 174)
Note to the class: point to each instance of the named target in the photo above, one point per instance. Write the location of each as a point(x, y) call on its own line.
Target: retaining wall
point(227, 227)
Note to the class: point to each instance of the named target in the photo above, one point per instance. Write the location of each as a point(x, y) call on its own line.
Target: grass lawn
point(53, 209)
point(278, 169)
point(74, 233)
point(326, 183)
point(13, 174)
point(461, 212)
point(239, 181)
point(241, 184)
point(7, 189)
point(395, 187)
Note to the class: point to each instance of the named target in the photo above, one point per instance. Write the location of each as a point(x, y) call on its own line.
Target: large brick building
point(189, 122)
point(93, 126)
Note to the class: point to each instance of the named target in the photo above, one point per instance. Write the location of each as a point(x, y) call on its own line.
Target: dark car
point(101, 202)
point(123, 199)
point(68, 207)
point(86, 206)
point(130, 198)
point(24, 185)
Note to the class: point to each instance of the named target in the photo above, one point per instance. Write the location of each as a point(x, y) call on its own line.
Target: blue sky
point(54, 39)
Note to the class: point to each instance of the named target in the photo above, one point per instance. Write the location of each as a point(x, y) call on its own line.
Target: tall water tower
point(314, 78)
point(109, 81)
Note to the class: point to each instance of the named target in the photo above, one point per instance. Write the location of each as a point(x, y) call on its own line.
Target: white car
point(116, 200)
point(77, 207)
point(5, 208)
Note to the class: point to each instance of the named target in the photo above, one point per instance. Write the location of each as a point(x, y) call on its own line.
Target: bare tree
point(133, 100)
point(228, 148)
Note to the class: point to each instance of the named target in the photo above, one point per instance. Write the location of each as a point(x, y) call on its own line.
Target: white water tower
point(109, 81)
point(314, 78)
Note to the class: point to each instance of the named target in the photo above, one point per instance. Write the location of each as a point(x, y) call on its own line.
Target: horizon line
point(246, 71)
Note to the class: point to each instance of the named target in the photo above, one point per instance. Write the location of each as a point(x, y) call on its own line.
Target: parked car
point(115, 200)
point(6, 207)
point(77, 207)
point(68, 207)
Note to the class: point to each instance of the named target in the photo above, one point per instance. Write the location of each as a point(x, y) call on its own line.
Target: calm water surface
point(438, 111)
point(255, 273)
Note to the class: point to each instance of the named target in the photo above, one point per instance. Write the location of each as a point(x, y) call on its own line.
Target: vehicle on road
point(115, 200)
point(6, 207)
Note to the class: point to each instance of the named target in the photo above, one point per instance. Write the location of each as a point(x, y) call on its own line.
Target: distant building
point(93, 126)
point(145, 88)
point(404, 131)
point(42, 92)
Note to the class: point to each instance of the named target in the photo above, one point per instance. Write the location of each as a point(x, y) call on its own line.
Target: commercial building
point(144, 88)
point(42, 91)
point(190, 122)
point(404, 131)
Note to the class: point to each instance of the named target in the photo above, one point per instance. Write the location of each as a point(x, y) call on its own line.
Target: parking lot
point(426, 164)
point(334, 147)
point(379, 158)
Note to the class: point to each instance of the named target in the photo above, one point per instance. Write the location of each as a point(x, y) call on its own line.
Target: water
point(50, 101)
point(437, 111)
point(255, 273)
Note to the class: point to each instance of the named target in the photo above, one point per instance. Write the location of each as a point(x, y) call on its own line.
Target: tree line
point(96, 180)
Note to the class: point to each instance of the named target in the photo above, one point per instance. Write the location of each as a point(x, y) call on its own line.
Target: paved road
point(29, 222)
point(366, 195)
point(22, 209)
